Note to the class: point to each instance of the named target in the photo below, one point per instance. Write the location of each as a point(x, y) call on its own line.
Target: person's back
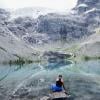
point(59, 84)
point(59, 81)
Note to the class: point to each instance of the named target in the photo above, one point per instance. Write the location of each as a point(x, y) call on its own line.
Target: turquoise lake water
point(82, 80)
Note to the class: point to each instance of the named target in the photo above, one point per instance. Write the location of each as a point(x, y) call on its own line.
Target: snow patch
point(91, 10)
point(82, 5)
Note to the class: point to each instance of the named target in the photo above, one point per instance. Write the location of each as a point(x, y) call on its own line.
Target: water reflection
point(58, 64)
point(82, 80)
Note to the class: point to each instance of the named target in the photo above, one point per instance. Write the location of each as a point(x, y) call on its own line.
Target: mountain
point(56, 26)
point(89, 47)
point(65, 26)
point(26, 28)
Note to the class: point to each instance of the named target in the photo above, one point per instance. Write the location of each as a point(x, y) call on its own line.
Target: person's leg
point(58, 89)
point(53, 87)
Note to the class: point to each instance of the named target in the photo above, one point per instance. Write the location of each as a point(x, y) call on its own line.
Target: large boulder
point(56, 55)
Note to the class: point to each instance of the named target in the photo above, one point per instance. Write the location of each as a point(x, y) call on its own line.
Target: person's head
point(60, 76)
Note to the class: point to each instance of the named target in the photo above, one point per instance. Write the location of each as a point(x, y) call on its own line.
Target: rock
point(45, 98)
point(59, 55)
point(53, 57)
point(56, 96)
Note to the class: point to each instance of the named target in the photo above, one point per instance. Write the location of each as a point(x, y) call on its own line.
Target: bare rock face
point(63, 27)
point(72, 26)
point(87, 5)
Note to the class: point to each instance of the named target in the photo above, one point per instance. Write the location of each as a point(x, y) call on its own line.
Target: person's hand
point(66, 92)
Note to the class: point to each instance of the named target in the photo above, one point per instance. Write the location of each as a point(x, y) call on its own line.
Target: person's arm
point(65, 89)
point(64, 86)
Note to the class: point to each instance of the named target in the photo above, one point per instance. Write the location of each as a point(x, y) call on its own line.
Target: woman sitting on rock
point(59, 86)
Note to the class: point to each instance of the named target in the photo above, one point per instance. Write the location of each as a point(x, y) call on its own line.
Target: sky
point(53, 4)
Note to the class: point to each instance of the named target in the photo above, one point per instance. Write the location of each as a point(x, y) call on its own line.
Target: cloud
point(54, 4)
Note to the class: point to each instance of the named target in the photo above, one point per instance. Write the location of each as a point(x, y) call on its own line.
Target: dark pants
point(55, 88)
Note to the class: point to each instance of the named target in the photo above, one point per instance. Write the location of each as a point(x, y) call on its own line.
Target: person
point(59, 86)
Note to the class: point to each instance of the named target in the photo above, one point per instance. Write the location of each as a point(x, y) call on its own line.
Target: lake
point(31, 82)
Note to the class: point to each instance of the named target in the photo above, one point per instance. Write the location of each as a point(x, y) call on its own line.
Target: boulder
point(60, 55)
point(57, 96)
point(53, 57)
